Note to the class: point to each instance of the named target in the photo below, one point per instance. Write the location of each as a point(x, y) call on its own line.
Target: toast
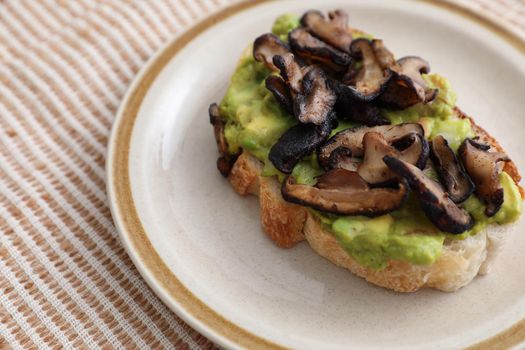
point(288, 220)
point(287, 224)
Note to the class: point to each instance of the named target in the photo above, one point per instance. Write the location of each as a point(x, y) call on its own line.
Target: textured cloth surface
point(65, 280)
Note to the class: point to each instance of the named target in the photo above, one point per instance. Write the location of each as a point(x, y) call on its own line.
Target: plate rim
point(133, 236)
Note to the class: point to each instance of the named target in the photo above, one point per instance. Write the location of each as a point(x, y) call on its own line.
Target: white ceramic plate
point(200, 246)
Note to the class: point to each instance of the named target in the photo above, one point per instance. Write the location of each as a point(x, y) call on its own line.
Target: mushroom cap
point(457, 183)
point(371, 79)
point(310, 48)
point(374, 170)
point(266, 46)
point(313, 96)
point(353, 138)
point(291, 70)
point(226, 160)
point(436, 204)
point(484, 168)
point(317, 98)
point(333, 31)
point(297, 142)
point(343, 192)
point(341, 158)
point(359, 111)
point(407, 87)
point(280, 91)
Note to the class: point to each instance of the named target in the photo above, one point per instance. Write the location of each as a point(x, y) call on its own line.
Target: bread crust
point(287, 224)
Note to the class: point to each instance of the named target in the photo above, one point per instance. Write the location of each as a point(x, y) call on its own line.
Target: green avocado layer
point(255, 121)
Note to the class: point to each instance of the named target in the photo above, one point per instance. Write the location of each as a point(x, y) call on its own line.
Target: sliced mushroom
point(291, 71)
point(407, 87)
point(266, 46)
point(353, 138)
point(225, 161)
point(457, 183)
point(280, 91)
point(484, 167)
point(314, 50)
point(361, 112)
point(383, 55)
point(218, 128)
point(316, 100)
point(374, 170)
point(371, 79)
point(343, 192)
point(311, 91)
point(436, 204)
point(334, 31)
point(297, 142)
point(341, 158)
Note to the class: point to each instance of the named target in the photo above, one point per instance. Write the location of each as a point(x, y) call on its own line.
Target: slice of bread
point(287, 224)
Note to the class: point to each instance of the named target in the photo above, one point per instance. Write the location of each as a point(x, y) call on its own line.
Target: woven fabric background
point(65, 280)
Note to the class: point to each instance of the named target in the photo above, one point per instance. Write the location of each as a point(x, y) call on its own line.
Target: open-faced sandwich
point(364, 155)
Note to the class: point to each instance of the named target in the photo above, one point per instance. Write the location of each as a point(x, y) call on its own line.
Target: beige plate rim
point(135, 240)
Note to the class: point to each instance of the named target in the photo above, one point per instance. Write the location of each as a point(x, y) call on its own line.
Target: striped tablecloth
point(65, 280)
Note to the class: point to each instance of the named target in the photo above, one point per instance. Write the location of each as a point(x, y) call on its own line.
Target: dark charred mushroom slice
point(374, 170)
point(353, 138)
point(312, 94)
point(266, 46)
point(316, 100)
point(297, 142)
point(340, 191)
point(341, 158)
point(314, 50)
point(436, 204)
point(225, 161)
point(457, 183)
point(333, 31)
point(291, 71)
point(407, 87)
point(218, 128)
point(371, 79)
point(484, 167)
point(361, 112)
point(280, 91)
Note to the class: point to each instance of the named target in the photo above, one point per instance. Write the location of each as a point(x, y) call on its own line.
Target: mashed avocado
point(283, 24)
point(255, 121)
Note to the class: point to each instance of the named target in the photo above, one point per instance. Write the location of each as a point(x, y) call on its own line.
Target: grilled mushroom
point(407, 87)
point(311, 91)
point(297, 142)
point(280, 91)
point(218, 128)
point(341, 158)
point(353, 138)
point(436, 204)
point(317, 99)
point(266, 46)
point(374, 170)
point(383, 55)
point(340, 191)
point(225, 161)
point(372, 78)
point(291, 70)
point(334, 31)
point(361, 112)
point(457, 183)
point(484, 167)
point(314, 50)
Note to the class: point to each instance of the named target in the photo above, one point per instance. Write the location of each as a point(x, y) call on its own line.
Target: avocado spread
point(255, 121)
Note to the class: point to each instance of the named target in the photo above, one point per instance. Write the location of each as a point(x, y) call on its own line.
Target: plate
point(200, 246)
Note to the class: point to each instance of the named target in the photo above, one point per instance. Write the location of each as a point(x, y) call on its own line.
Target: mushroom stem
point(343, 192)
point(436, 204)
